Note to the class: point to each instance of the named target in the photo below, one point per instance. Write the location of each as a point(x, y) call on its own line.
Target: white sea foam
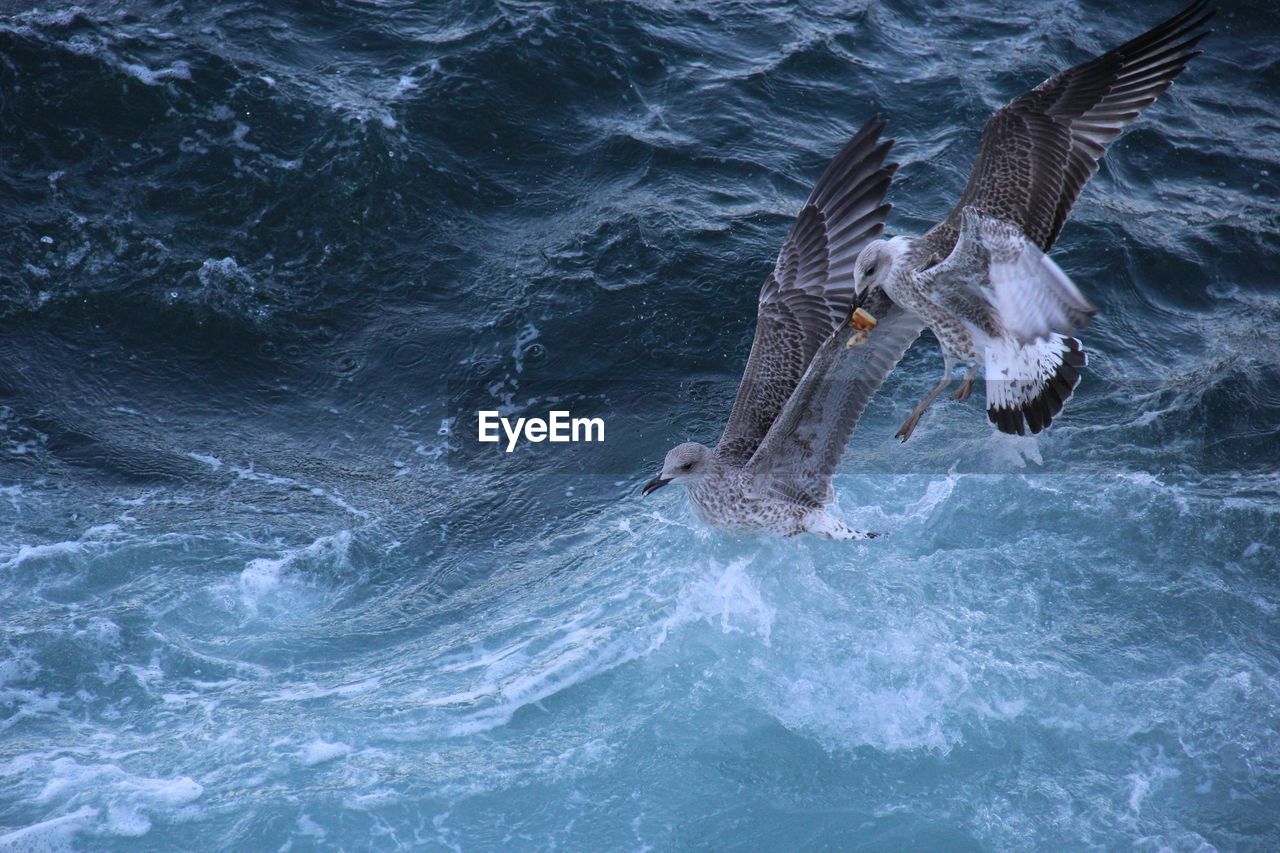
point(251, 474)
point(320, 751)
point(214, 271)
point(525, 338)
point(279, 584)
point(155, 76)
point(94, 541)
point(575, 651)
point(312, 691)
point(56, 833)
point(213, 462)
point(45, 552)
point(309, 828)
point(730, 598)
point(107, 799)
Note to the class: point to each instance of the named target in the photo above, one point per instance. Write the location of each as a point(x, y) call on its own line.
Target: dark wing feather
point(797, 459)
point(1040, 149)
point(810, 291)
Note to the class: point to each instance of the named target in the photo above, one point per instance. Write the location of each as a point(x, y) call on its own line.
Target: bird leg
point(966, 384)
point(909, 425)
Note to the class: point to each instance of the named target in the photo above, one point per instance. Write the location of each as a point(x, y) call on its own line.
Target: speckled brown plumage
point(1036, 154)
point(810, 291)
point(1039, 150)
point(803, 389)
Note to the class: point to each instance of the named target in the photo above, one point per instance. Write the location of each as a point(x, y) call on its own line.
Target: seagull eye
point(686, 466)
point(871, 270)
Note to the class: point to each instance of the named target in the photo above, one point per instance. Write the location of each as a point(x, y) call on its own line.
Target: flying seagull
point(804, 388)
point(980, 279)
point(839, 310)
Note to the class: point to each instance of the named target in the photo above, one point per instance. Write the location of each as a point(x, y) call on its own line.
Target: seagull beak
point(654, 484)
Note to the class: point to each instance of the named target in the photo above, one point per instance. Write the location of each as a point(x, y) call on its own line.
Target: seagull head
point(876, 261)
point(686, 461)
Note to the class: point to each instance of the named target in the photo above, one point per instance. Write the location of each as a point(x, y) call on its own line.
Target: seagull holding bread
point(980, 279)
point(841, 307)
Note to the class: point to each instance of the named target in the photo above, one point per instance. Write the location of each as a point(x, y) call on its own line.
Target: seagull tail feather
point(1027, 385)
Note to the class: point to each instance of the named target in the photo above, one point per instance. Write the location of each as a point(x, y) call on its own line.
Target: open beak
point(654, 484)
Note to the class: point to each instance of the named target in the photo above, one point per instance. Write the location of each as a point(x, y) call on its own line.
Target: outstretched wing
point(1000, 282)
point(797, 459)
point(810, 291)
point(1040, 149)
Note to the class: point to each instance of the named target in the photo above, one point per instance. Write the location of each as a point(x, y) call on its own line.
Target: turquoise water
point(261, 591)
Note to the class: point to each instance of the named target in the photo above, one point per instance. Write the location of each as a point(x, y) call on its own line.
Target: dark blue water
point(260, 590)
